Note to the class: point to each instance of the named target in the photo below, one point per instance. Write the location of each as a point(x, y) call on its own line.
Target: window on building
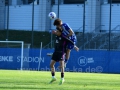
point(23, 2)
point(35, 1)
point(30, 1)
point(52, 2)
point(114, 1)
point(73, 1)
point(6, 2)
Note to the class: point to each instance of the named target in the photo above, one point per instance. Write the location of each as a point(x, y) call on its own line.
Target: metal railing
point(49, 45)
point(112, 38)
point(94, 35)
point(79, 29)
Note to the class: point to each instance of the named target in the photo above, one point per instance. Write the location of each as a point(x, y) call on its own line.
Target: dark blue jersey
point(66, 32)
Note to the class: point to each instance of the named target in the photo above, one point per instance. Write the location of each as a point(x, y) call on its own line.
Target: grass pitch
point(38, 80)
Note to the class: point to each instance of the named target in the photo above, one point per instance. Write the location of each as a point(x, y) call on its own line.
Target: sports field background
point(38, 80)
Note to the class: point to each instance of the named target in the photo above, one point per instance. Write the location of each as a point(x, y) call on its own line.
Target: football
point(52, 15)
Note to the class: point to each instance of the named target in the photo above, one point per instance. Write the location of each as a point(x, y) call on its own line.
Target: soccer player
point(67, 32)
point(58, 56)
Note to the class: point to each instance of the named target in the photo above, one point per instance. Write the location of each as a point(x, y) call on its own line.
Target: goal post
point(11, 44)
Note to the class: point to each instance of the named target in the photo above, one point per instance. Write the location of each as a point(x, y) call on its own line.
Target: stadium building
point(93, 15)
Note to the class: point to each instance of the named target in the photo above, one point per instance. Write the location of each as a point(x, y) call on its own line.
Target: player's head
point(58, 33)
point(57, 22)
point(59, 28)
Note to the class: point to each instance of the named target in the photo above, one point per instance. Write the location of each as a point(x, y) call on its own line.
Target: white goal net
point(12, 54)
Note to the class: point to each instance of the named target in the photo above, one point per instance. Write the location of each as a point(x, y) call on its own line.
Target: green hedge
point(26, 36)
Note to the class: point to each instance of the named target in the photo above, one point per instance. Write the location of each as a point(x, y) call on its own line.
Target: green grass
point(38, 80)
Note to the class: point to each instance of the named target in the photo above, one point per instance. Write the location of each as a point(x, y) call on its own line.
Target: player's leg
point(70, 46)
point(68, 54)
point(62, 71)
point(76, 48)
point(52, 63)
point(62, 68)
point(61, 61)
point(67, 57)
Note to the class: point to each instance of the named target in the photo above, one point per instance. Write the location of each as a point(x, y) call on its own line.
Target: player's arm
point(68, 40)
point(56, 32)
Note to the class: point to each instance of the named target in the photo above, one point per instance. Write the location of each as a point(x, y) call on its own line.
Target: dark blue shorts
point(71, 45)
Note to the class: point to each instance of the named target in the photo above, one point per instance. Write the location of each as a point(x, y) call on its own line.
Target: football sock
point(62, 75)
point(53, 75)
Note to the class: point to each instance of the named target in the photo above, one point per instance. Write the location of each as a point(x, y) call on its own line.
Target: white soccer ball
point(52, 15)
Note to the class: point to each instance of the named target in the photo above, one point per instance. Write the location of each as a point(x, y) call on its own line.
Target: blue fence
point(83, 61)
